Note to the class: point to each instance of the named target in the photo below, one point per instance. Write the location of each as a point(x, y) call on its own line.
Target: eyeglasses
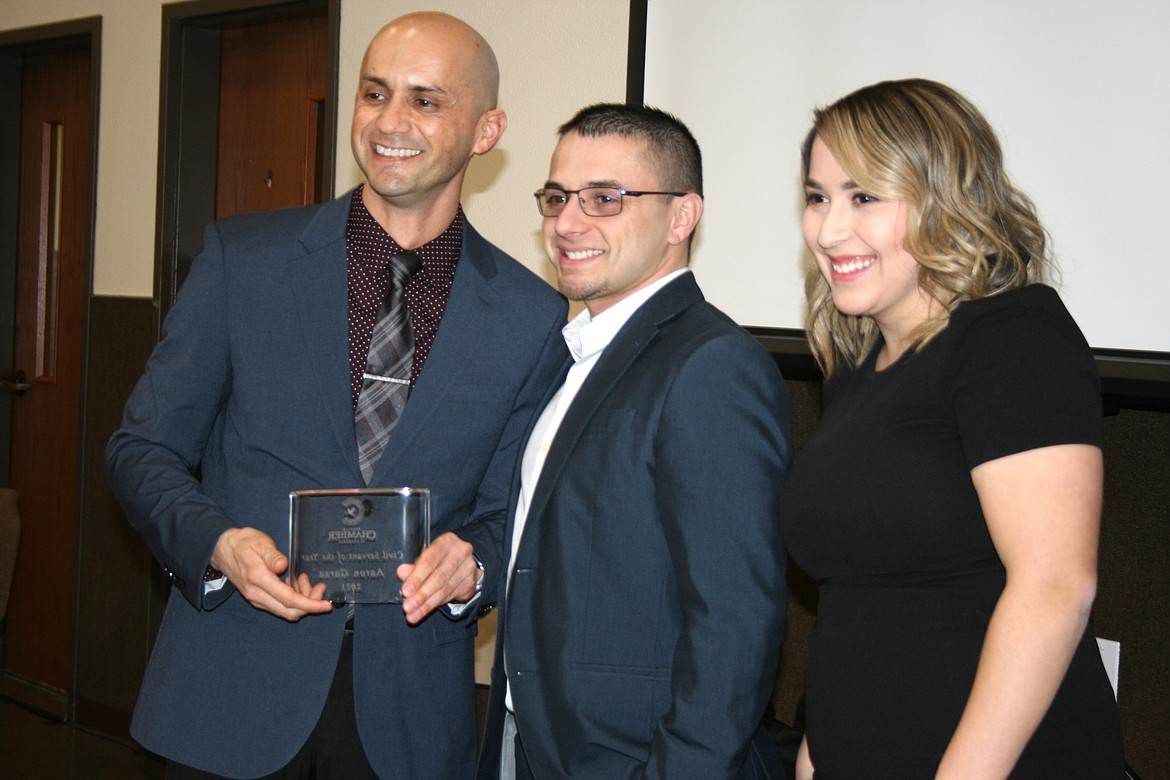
point(595, 201)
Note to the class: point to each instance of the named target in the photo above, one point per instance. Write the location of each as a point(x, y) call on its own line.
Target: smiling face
point(424, 107)
point(601, 260)
point(858, 241)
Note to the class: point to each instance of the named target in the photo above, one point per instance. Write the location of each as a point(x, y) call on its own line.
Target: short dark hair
point(673, 149)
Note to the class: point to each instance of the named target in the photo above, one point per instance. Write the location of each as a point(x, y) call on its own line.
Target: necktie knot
point(403, 267)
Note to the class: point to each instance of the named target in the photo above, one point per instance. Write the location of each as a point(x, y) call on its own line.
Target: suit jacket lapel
point(319, 283)
point(470, 310)
point(514, 493)
point(641, 329)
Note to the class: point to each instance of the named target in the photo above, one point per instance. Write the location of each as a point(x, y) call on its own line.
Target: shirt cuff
point(456, 609)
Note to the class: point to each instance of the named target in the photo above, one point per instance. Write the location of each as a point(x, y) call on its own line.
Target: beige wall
point(554, 58)
point(127, 131)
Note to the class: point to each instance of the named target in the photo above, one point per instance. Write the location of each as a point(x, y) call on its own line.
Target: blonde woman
point(949, 502)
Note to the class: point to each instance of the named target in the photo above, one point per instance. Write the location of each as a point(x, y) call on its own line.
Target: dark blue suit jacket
point(643, 622)
point(251, 384)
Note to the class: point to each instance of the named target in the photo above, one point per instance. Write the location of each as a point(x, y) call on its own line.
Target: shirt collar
point(372, 244)
point(587, 336)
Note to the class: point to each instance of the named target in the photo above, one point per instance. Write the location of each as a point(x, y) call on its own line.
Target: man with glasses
point(645, 595)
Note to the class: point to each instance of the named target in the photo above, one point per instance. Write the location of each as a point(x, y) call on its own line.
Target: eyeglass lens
point(595, 201)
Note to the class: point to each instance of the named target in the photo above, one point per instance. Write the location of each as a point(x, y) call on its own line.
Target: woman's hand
point(804, 764)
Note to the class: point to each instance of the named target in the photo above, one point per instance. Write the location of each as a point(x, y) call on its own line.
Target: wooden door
point(271, 115)
point(52, 281)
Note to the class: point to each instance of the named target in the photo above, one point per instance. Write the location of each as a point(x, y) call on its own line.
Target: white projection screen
point(1078, 90)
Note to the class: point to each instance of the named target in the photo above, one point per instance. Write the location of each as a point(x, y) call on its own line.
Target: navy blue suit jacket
point(251, 385)
point(643, 621)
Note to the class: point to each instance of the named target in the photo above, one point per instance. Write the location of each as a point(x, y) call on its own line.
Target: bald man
point(252, 393)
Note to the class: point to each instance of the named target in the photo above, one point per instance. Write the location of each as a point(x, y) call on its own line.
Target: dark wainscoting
point(119, 586)
point(1133, 591)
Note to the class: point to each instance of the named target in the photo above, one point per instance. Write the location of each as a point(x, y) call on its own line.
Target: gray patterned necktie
point(386, 381)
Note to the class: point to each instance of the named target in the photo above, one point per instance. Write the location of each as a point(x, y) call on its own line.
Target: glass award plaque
point(354, 540)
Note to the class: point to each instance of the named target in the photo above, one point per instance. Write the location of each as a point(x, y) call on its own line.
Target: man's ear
point(687, 211)
point(491, 126)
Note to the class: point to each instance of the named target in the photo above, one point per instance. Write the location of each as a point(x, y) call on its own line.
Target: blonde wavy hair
point(972, 232)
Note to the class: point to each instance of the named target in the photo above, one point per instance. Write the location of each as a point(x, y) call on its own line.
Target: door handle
point(16, 383)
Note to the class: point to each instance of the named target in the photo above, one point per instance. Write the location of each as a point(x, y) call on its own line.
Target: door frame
point(189, 122)
point(14, 46)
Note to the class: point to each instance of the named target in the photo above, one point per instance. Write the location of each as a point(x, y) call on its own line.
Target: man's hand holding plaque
point(445, 572)
point(252, 563)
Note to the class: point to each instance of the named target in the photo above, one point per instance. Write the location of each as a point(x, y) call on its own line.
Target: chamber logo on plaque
point(354, 540)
